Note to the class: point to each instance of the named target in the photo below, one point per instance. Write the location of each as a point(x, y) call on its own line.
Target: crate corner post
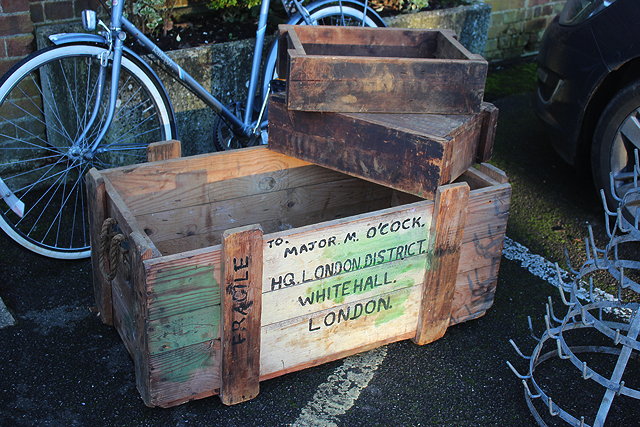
point(241, 314)
point(449, 218)
point(97, 202)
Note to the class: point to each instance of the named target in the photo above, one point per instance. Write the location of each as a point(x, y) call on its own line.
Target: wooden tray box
point(414, 153)
point(209, 302)
point(383, 70)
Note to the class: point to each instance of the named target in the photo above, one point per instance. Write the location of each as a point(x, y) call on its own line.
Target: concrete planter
point(471, 23)
point(223, 68)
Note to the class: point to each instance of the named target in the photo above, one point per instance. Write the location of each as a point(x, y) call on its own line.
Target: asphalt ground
point(60, 366)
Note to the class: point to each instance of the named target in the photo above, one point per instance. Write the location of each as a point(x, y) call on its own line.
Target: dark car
point(589, 87)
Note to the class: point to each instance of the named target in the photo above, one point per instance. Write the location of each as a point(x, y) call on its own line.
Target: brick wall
point(517, 26)
point(18, 18)
point(16, 32)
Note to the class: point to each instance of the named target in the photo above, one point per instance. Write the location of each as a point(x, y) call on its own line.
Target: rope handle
point(110, 249)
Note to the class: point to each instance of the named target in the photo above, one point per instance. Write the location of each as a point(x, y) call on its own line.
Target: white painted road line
point(339, 393)
point(341, 390)
point(6, 319)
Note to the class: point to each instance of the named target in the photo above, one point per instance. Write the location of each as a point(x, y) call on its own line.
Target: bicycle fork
point(80, 148)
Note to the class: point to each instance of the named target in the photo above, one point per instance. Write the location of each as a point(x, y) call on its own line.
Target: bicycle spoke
point(60, 176)
point(72, 98)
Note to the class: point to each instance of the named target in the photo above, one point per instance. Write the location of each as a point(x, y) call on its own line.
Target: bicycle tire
point(45, 101)
point(223, 138)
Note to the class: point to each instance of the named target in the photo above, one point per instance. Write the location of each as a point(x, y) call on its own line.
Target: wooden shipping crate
point(226, 269)
point(414, 153)
point(384, 70)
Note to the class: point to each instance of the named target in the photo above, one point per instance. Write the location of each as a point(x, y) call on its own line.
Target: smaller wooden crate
point(208, 302)
point(414, 153)
point(383, 70)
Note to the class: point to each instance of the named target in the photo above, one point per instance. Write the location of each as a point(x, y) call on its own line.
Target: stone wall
point(517, 26)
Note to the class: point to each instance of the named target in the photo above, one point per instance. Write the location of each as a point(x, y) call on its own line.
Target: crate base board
point(167, 308)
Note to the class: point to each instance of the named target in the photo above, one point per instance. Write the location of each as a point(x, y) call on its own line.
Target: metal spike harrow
point(582, 315)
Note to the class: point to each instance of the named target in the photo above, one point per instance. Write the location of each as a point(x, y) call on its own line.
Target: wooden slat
point(139, 251)
point(153, 177)
point(241, 314)
point(284, 206)
point(447, 229)
point(488, 134)
point(164, 150)
point(425, 86)
point(97, 205)
point(192, 189)
point(184, 374)
point(361, 36)
point(493, 172)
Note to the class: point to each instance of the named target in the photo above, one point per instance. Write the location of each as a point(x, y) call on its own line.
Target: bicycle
point(90, 101)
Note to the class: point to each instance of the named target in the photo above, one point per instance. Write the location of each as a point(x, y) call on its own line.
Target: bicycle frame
point(115, 35)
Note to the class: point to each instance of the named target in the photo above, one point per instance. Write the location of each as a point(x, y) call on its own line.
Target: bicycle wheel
point(45, 103)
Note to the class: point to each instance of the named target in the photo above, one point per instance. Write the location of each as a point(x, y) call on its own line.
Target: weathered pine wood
point(447, 228)
point(164, 150)
point(183, 328)
point(241, 314)
point(330, 287)
point(488, 134)
point(134, 276)
point(286, 206)
point(493, 172)
point(149, 178)
point(414, 153)
point(379, 70)
point(97, 205)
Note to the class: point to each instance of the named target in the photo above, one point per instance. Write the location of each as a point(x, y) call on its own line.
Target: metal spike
point(546, 322)
point(582, 421)
point(616, 339)
point(515, 346)
point(515, 371)
point(560, 354)
point(568, 261)
point(585, 374)
point(531, 329)
point(621, 222)
point(531, 395)
point(612, 188)
point(620, 388)
point(583, 314)
point(550, 310)
point(550, 405)
point(564, 298)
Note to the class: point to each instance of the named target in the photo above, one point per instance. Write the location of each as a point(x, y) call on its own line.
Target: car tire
point(616, 136)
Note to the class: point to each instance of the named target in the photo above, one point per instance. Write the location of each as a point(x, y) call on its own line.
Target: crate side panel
point(313, 309)
point(192, 188)
point(148, 178)
point(185, 374)
point(381, 153)
point(183, 301)
point(286, 206)
point(323, 336)
point(481, 252)
point(362, 84)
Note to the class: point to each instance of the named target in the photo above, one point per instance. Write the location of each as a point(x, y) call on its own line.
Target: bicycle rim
point(45, 104)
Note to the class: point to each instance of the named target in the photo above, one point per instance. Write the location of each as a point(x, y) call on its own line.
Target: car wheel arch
point(620, 77)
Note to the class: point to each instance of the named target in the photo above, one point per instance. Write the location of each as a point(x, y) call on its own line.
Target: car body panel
point(581, 57)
